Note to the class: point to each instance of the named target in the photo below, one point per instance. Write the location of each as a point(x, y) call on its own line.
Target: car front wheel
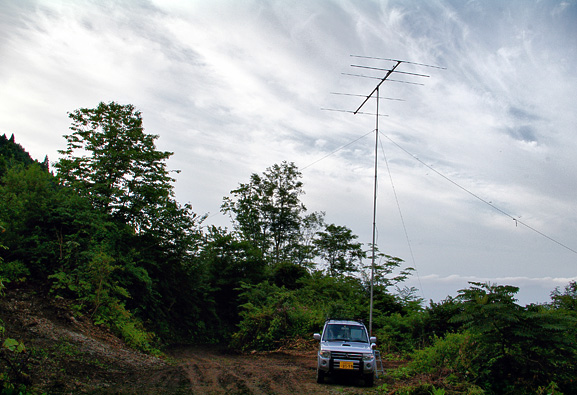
point(369, 379)
point(320, 376)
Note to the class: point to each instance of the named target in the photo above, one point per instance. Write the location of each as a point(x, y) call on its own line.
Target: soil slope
point(66, 355)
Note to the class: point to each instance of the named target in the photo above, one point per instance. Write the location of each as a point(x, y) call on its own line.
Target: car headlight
point(367, 357)
point(325, 354)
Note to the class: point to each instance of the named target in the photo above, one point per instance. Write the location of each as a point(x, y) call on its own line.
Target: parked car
point(346, 348)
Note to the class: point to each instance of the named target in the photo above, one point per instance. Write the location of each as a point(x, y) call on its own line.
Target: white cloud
point(234, 87)
point(531, 289)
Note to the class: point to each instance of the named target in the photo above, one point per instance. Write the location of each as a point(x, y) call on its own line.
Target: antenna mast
point(375, 93)
point(376, 90)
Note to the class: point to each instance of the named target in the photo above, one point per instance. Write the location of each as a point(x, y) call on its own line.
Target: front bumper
point(339, 364)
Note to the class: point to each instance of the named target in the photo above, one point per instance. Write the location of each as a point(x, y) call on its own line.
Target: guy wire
point(402, 219)
point(337, 150)
point(517, 221)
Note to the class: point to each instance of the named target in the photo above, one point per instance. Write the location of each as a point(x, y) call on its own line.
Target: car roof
point(344, 322)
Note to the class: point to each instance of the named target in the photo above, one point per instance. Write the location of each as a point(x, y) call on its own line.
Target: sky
point(476, 160)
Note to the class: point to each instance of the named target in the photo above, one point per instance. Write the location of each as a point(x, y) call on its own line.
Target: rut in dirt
point(210, 370)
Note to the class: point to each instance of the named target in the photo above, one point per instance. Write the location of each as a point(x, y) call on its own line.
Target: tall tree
point(305, 252)
point(337, 246)
point(113, 162)
point(267, 211)
point(566, 300)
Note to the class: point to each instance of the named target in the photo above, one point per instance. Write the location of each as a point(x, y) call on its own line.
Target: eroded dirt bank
point(67, 355)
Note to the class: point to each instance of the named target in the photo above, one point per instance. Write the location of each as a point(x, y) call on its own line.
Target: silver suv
point(345, 346)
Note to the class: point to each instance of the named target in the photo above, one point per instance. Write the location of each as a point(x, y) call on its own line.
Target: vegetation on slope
point(106, 232)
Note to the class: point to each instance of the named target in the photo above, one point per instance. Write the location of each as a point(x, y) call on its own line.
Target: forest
point(102, 227)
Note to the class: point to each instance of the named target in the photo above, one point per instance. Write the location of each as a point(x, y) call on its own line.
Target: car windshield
point(349, 333)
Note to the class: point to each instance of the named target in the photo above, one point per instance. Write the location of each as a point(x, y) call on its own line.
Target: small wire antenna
point(375, 95)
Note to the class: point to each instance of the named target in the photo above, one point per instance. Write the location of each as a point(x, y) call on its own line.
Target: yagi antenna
point(381, 69)
point(375, 95)
point(352, 112)
point(351, 94)
point(378, 78)
point(403, 61)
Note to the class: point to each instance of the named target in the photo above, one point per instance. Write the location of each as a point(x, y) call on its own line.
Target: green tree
point(566, 299)
point(305, 250)
point(267, 211)
point(521, 348)
point(12, 154)
point(337, 247)
point(387, 270)
point(43, 220)
point(230, 262)
point(155, 241)
point(110, 160)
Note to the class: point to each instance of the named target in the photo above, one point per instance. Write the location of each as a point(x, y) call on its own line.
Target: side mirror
point(317, 336)
point(373, 339)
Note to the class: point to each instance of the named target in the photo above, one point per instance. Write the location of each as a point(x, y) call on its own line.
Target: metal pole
point(374, 215)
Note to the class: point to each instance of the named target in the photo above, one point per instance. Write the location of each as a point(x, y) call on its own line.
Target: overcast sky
point(233, 87)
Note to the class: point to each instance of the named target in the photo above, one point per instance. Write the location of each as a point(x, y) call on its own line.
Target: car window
point(351, 333)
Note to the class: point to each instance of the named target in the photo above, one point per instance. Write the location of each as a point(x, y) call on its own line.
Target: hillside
point(98, 266)
point(70, 355)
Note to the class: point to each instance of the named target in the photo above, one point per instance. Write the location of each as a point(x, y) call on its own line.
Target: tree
point(567, 299)
point(12, 154)
point(521, 348)
point(43, 220)
point(231, 262)
point(267, 211)
point(337, 247)
point(384, 273)
point(110, 160)
point(305, 251)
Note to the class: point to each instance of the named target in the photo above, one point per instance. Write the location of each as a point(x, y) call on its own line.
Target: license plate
point(346, 365)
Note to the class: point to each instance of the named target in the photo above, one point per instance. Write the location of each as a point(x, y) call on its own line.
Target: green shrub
point(14, 271)
point(13, 376)
point(456, 353)
point(271, 316)
point(400, 334)
point(125, 325)
point(519, 348)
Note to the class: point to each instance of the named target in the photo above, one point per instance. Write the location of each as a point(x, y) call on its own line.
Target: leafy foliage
point(110, 160)
point(268, 212)
point(503, 347)
point(272, 315)
point(108, 233)
point(12, 154)
point(337, 247)
point(12, 352)
point(566, 300)
point(521, 347)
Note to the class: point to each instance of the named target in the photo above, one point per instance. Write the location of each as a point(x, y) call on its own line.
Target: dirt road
point(213, 371)
point(69, 355)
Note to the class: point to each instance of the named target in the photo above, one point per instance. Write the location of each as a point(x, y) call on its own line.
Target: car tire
point(369, 379)
point(320, 376)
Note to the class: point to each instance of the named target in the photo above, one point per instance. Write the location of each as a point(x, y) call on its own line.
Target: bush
point(520, 348)
point(271, 316)
point(14, 271)
point(455, 354)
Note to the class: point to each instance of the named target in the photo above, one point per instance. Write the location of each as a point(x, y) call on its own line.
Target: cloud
point(531, 289)
point(234, 87)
